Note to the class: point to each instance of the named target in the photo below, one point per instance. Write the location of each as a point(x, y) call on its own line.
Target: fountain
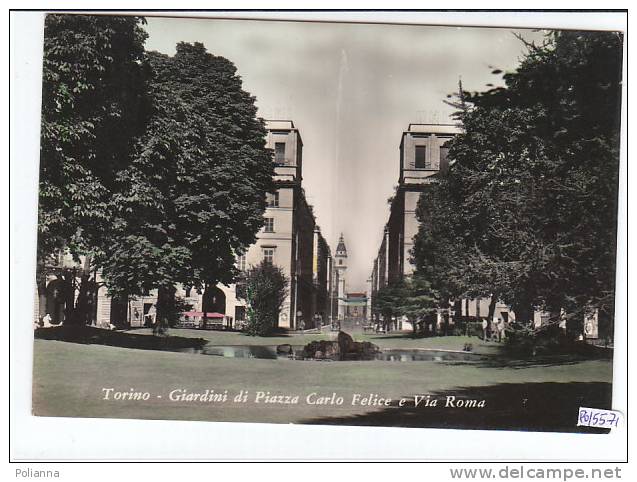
point(343, 348)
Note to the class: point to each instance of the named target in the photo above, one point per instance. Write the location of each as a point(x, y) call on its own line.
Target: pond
point(269, 352)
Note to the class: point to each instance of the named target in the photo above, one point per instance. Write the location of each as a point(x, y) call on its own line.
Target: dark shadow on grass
point(89, 335)
point(537, 407)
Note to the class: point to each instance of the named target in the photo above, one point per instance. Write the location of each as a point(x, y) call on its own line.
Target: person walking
point(500, 330)
point(494, 328)
point(152, 315)
point(485, 326)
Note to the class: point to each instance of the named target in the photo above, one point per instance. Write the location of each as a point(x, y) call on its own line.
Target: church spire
point(341, 250)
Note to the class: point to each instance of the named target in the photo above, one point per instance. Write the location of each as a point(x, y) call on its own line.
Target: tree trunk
point(165, 304)
point(80, 313)
point(41, 299)
point(492, 303)
point(68, 280)
point(457, 308)
point(204, 305)
point(606, 325)
point(40, 279)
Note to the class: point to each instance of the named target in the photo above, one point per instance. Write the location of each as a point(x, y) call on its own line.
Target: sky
point(351, 90)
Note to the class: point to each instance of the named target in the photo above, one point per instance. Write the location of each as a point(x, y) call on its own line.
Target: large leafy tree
point(194, 196)
point(93, 106)
point(533, 189)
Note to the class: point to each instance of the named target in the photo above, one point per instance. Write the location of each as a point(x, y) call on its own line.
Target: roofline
point(439, 134)
point(288, 129)
point(281, 120)
point(429, 124)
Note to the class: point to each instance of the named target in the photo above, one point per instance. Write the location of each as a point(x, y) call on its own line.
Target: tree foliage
point(266, 289)
point(194, 196)
point(417, 300)
point(386, 302)
point(528, 211)
point(93, 107)
point(154, 168)
point(413, 298)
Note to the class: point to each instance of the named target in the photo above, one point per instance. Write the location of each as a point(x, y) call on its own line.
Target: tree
point(194, 197)
point(533, 186)
point(417, 300)
point(266, 289)
point(386, 303)
point(412, 297)
point(438, 253)
point(93, 106)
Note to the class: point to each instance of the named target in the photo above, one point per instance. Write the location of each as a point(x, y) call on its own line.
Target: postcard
point(327, 223)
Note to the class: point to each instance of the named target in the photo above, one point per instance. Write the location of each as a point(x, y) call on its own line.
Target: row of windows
point(268, 257)
point(421, 157)
point(239, 311)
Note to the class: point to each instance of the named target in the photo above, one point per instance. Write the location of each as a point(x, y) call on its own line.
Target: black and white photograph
point(327, 223)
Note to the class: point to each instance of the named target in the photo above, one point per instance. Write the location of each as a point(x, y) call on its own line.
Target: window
point(272, 199)
point(269, 225)
point(268, 255)
point(241, 262)
point(279, 152)
point(240, 313)
point(421, 158)
point(340, 261)
point(188, 290)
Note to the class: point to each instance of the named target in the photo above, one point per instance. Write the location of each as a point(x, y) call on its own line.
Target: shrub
point(525, 340)
point(266, 288)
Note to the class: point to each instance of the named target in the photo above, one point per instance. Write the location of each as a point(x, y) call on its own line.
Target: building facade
point(290, 239)
point(423, 158)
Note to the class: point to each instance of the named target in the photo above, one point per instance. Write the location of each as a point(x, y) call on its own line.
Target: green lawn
point(69, 378)
point(237, 338)
point(392, 340)
point(405, 341)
